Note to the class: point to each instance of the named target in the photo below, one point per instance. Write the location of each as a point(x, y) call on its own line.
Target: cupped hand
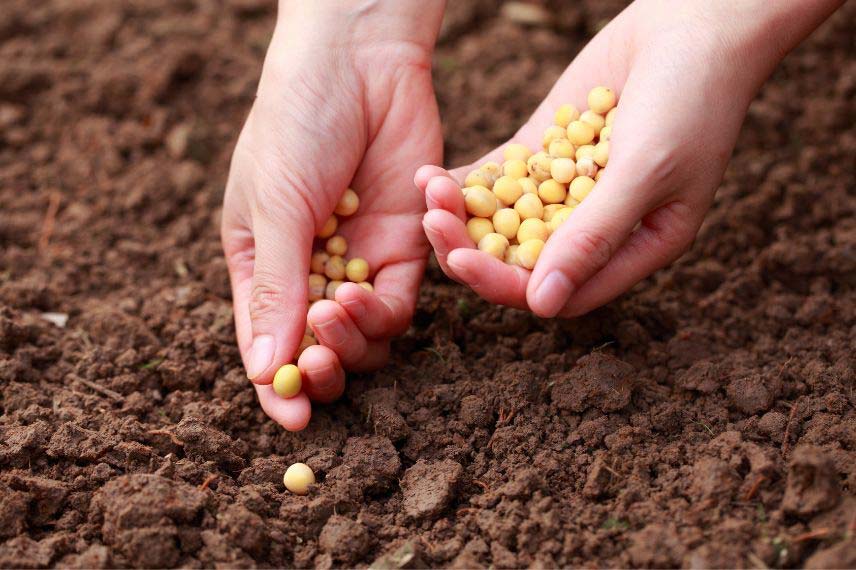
point(685, 72)
point(329, 115)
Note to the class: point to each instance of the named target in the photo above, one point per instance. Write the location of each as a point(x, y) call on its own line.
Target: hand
point(686, 72)
point(334, 110)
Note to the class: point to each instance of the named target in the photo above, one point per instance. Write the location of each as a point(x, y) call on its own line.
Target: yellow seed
point(528, 252)
point(552, 133)
point(610, 117)
point(335, 267)
point(539, 166)
point(480, 202)
point(506, 221)
point(570, 201)
point(586, 167)
point(329, 227)
point(515, 151)
point(298, 478)
point(515, 168)
point(366, 285)
point(477, 228)
point(476, 178)
point(287, 381)
point(308, 340)
point(528, 185)
point(330, 293)
point(550, 211)
point(563, 170)
point(533, 228)
point(560, 218)
point(494, 244)
point(565, 114)
point(319, 258)
point(593, 119)
point(492, 171)
point(317, 286)
point(601, 153)
point(561, 148)
point(580, 187)
point(587, 150)
point(580, 133)
point(507, 190)
point(605, 134)
point(357, 270)
point(510, 256)
point(597, 176)
point(348, 204)
point(552, 192)
point(337, 245)
point(601, 99)
point(529, 206)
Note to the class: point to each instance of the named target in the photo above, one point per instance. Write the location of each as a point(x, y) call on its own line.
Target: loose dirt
point(704, 419)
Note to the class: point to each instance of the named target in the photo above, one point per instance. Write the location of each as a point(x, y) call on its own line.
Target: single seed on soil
point(580, 187)
point(335, 268)
point(561, 148)
point(366, 285)
point(319, 258)
point(552, 192)
point(529, 206)
point(480, 202)
point(515, 169)
point(476, 178)
point(516, 151)
point(528, 252)
point(550, 211)
point(348, 204)
point(586, 167)
point(337, 245)
point(580, 133)
point(298, 478)
point(533, 228)
point(506, 222)
point(329, 227)
point(565, 114)
point(552, 133)
point(330, 293)
point(563, 170)
point(287, 381)
point(317, 286)
point(357, 270)
point(593, 119)
point(477, 228)
point(539, 166)
point(601, 99)
point(601, 153)
point(507, 189)
point(494, 244)
point(528, 185)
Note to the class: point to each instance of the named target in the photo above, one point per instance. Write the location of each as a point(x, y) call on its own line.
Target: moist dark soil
point(704, 419)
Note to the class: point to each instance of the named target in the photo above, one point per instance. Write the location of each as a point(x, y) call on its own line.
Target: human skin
point(686, 72)
point(345, 99)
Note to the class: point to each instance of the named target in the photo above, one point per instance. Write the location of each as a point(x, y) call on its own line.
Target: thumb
point(271, 302)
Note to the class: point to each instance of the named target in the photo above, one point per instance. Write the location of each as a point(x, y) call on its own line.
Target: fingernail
point(332, 331)
point(552, 294)
point(356, 308)
point(463, 272)
point(438, 240)
point(261, 355)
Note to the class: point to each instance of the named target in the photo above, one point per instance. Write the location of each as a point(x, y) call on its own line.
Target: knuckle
point(593, 247)
point(266, 299)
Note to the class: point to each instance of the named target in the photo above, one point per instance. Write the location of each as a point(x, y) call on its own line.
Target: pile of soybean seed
point(514, 207)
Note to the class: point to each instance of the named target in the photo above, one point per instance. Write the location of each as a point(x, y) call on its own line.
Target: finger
point(445, 194)
point(277, 296)
point(323, 376)
point(335, 329)
point(664, 235)
point(490, 278)
point(387, 311)
point(426, 173)
point(446, 232)
point(291, 413)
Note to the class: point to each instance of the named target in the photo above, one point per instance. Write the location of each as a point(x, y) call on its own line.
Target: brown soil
point(705, 419)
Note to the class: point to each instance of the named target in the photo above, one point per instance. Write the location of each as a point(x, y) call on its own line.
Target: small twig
point(759, 564)
point(208, 480)
point(611, 470)
point(484, 486)
point(167, 433)
point(786, 439)
point(100, 389)
point(753, 490)
point(49, 220)
point(811, 535)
